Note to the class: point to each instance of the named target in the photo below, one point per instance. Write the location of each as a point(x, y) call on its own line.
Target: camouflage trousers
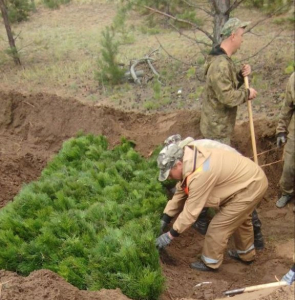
point(225, 141)
point(287, 180)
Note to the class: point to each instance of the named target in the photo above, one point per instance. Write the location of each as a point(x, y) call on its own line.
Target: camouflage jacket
point(223, 93)
point(287, 120)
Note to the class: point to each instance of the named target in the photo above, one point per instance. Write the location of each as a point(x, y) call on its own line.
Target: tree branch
point(235, 5)
point(215, 6)
point(268, 17)
point(190, 38)
point(198, 7)
point(171, 56)
point(181, 20)
point(262, 47)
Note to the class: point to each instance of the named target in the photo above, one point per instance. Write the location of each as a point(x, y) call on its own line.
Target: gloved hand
point(281, 139)
point(163, 225)
point(289, 277)
point(163, 240)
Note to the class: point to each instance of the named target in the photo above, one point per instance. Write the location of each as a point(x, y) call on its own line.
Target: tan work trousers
point(288, 175)
point(234, 218)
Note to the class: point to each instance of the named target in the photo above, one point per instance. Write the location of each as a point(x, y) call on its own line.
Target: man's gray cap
point(167, 158)
point(231, 26)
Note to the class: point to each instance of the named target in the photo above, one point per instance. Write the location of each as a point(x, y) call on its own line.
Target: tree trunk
point(9, 33)
point(221, 15)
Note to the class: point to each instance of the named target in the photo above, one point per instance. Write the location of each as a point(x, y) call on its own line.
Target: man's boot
point(234, 254)
point(258, 237)
point(283, 200)
point(200, 266)
point(202, 223)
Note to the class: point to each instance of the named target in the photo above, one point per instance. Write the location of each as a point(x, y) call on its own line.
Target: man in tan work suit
point(202, 223)
point(286, 126)
point(213, 178)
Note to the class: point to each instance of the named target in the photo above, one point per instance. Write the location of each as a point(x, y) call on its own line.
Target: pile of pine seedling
point(92, 217)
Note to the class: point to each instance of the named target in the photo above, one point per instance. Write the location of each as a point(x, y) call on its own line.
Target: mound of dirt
point(44, 284)
point(32, 130)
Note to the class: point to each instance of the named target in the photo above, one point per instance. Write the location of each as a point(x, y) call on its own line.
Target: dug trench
point(32, 130)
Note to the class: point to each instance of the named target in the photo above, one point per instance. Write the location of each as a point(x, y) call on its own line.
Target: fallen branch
point(135, 74)
point(152, 68)
point(138, 73)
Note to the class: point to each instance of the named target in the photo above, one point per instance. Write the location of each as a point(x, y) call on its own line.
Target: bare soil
point(32, 130)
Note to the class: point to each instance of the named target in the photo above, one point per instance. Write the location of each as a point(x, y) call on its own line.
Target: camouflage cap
point(167, 158)
point(172, 139)
point(231, 26)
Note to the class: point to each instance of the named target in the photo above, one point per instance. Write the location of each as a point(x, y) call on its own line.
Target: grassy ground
point(59, 51)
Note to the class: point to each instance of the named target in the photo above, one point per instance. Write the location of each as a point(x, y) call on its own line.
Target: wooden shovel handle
point(246, 80)
point(255, 288)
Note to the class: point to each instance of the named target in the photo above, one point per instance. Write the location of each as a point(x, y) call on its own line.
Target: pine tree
point(109, 70)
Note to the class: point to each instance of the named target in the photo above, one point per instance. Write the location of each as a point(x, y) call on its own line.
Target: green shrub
point(18, 10)
point(92, 217)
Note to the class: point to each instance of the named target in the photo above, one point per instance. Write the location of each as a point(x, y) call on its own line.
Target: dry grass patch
point(59, 51)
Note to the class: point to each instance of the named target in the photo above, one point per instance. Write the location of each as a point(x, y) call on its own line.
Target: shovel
point(255, 288)
point(246, 80)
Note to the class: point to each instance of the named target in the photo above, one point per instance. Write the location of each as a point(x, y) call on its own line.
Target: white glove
point(281, 139)
point(289, 277)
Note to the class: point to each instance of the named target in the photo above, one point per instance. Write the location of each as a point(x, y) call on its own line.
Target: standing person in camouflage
point(286, 132)
point(224, 92)
point(224, 89)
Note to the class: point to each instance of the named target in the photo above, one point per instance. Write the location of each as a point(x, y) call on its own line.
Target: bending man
point(213, 178)
point(202, 223)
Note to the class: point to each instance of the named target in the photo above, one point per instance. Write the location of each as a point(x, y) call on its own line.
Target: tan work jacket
point(212, 176)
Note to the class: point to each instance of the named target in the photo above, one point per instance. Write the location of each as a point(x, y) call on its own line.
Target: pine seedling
point(94, 209)
point(109, 69)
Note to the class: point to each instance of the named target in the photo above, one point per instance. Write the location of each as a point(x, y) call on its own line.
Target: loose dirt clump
point(33, 128)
